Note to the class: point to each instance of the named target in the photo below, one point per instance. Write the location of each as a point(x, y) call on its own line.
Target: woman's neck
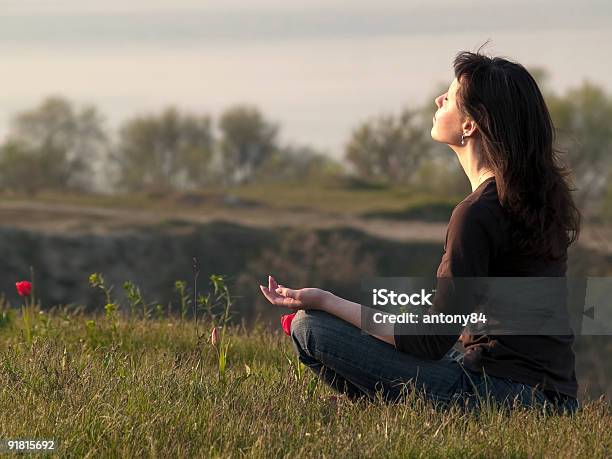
point(472, 165)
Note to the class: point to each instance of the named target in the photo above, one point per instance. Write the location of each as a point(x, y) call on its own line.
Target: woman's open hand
point(304, 298)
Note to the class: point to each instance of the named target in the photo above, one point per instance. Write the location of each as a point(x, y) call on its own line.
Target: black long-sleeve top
point(479, 244)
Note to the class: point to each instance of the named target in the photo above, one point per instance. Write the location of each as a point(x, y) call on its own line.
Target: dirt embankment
point(79, 219)
point(66, 218)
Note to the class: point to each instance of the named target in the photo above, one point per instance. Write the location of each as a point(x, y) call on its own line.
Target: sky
point(317, 68)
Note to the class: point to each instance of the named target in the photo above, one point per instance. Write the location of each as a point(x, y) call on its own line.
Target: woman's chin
point(436, 138)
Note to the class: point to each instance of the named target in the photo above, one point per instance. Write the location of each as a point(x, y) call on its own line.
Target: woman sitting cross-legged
point(518, 221)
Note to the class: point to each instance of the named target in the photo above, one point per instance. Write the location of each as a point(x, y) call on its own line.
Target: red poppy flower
point(24, 288)
point(286, 323)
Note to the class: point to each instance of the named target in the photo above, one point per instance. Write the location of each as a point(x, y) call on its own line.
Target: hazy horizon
point(317, 69)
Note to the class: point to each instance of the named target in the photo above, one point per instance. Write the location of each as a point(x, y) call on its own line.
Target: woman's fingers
point(291, 298)
point(289, 302)
point(287, 292)
point(279, 300)
point(266, 293)
point(272, 285)
point(280, 295)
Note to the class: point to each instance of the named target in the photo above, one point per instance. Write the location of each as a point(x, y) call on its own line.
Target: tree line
point(59, 146)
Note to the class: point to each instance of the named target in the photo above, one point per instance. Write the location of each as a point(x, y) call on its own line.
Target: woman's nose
point(438, 101)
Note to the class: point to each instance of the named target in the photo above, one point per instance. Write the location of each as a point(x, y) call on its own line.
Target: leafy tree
point(389, 148)
point(247, 141)
point(53, 146)
point(170, 150)
point(582, 120)
point(297, 162)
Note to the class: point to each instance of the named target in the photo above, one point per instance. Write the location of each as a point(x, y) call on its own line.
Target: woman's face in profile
point(447, 119)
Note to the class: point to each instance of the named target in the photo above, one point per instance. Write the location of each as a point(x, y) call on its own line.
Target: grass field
point(334, 196)
point(109, 386)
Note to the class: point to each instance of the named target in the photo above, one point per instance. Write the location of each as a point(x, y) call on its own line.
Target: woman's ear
point(469, 127)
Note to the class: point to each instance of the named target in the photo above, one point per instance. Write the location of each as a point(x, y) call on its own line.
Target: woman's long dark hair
point(517, 136)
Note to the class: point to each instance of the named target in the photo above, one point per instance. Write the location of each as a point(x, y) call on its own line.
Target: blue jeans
point(360, 365)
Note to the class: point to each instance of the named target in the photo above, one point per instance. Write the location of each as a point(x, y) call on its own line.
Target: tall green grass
point(109, 385)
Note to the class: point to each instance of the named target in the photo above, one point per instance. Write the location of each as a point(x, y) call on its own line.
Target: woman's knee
point(306, 318)
point(306, 327)
point(301, 328)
